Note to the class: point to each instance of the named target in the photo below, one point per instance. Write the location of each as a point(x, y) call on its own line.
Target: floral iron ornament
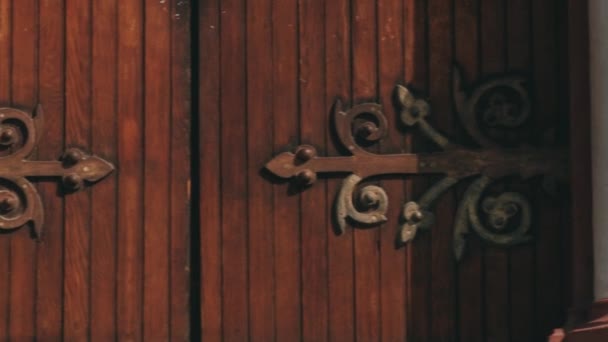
point(20, 203)
point(505, 219)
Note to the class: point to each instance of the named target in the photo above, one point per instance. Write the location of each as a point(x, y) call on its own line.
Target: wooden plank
point(77, 246)
point(24, 82)
point(130, 176)
point(234, 192)
point(549, 313)
point(443, 299)
point(209, 163)
point(496, 258)
point(521, 273)
point(390, 40)
point(470, 269)
point(5, 97)
point(157, 133)
point(340, 247)
point(314, 206)
point(563, 137)
point(103, 143)
point(259, 148)
point(419, 251)
point(287, 253)
point(51, 75)
point(181, 225)
point(580, 231)
point(366, 241)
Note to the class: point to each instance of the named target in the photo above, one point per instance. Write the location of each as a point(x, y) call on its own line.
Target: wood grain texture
point(440, 56)
point(24, 82)
point(355, 286)
point(5, 92)
point(313, 205)
point(51, 74)
point(101, 73)
point(234, 183)
point(496, 260)
point(470, 271)
point(418, 254)
point(549, 264)
point(366, 241)
point(131, 171)
point(210, 141)
point(391, 71)
point(521, 269)
point(340, 248)
point(285, 131)
point(157, 151)
point(580, 232)
point(77, 235)
point(113, 77)
point(181, 293)
point(260, 92)
point(103, 142)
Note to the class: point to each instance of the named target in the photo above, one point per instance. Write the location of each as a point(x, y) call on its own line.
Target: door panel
point(113, 78)
point(272, 266)
point(113, 260)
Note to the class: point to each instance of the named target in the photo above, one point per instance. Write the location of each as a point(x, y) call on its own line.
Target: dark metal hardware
point(500, 104)
point(20, 202)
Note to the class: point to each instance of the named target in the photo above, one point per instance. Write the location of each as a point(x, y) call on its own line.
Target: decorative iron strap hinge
point(502, 103)
point(20, 202)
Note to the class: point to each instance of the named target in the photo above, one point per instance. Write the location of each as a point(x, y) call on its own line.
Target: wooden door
point(272, 267)
point(191, 238)
point(113, 79)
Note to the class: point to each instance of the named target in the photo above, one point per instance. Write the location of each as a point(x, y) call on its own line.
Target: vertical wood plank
point(103, 143)
point(390, 40)
point(130, 173)
point(259, 147)
point(521, 274)
point(77, 271)
point(366, 241)
point(441, 21)
point(181, 127)
point(210, 170)
point(580, 232)
point(313, 119)
point(51, 75)
point(287, 255)
point(234, 192)
point(418, 253)
point(470, 269)
point(548, 268)
point(5, 97)
point(340, 247)
point(496, 259)
point(157, 133)
point(24, 93)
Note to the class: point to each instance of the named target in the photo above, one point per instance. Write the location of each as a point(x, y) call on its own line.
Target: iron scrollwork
point(502, 103)
point(20, 202)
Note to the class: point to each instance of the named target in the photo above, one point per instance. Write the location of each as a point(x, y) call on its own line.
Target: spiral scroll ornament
point(20, 202)
point(500, 104)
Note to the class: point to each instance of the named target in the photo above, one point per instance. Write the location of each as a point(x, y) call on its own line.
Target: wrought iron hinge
point(20, 202)
point(494, 105)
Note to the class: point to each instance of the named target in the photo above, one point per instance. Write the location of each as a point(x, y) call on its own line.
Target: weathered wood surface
point(271, 265)
point(114, 259)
